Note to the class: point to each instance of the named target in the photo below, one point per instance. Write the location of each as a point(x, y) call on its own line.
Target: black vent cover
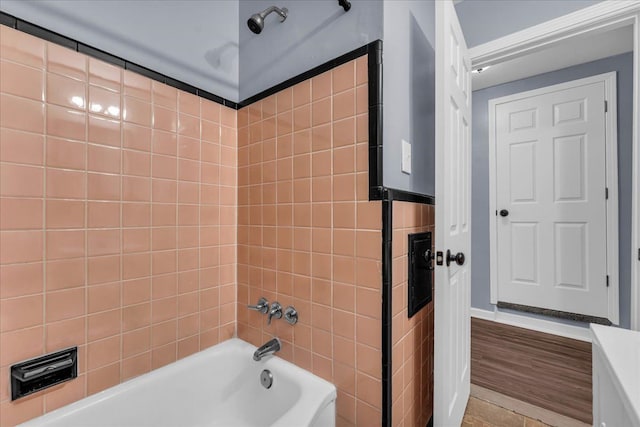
point(43, 372)
point(420, 271)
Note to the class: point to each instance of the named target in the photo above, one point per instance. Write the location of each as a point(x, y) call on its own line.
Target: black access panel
point(420, 271)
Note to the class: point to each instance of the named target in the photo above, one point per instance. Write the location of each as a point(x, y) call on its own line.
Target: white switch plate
point(406, 157)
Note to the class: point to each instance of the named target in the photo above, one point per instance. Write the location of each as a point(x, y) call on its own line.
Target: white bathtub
point(219, 386)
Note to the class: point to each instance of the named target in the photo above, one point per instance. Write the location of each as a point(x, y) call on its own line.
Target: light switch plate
point(406, 157)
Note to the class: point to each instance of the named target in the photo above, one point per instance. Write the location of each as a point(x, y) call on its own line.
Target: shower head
point(256, 22)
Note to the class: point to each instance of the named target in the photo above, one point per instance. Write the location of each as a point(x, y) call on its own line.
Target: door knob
point(504, 212)
point(428, 257)
point(457, 258)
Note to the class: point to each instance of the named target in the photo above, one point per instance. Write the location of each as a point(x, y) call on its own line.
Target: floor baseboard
point(554, 313)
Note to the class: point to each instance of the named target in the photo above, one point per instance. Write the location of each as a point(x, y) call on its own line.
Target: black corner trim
point(43, 33)
point(231, 104)
point(53, 37)
point(408, 196)
point(211, 97)
point(143, 71)
point(182, 86)
point(387, 310)
point(101, 55)
point(386, 193)
point(430, 422)
point(374, 72)
point(8, 20)
point(343, 59)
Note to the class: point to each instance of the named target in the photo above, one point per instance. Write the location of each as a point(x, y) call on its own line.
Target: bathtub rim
point(297, 415)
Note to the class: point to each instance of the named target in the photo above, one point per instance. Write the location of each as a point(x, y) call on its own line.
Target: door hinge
point(607, 280)
point(606, 106)
point(606, 193)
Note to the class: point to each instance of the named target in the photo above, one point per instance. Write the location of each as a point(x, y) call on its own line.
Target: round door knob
point(457, 258)
point(504, 213)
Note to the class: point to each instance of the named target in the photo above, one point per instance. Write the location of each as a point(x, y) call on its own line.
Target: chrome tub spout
point(267, 349)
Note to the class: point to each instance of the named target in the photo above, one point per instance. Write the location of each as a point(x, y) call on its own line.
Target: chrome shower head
point(256, 22)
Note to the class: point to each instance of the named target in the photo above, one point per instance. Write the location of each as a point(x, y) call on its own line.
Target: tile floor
point(481, 413)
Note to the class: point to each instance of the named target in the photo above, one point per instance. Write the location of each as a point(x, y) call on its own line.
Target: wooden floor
point(545, 370)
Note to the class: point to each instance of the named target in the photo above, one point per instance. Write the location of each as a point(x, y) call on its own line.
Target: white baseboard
point(540, 325)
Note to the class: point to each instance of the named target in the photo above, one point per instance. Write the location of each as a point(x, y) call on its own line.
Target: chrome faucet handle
point(291, 315)
point(262, 306)
point(276, 311)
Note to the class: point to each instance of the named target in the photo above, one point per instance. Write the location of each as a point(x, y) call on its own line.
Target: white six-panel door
point(452, 221)
point(550, 180)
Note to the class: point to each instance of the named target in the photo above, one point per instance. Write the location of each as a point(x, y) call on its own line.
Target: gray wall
point(190, 40)
point(315, 32)
point(623, 64)
point(408, 93)
point(486, 20)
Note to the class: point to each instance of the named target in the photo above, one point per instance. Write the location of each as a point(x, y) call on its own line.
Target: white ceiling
point(573, 51)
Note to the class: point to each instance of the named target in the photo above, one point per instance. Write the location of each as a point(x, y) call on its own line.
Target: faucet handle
point(276, 311)
point(291, 315)
point(262, 306)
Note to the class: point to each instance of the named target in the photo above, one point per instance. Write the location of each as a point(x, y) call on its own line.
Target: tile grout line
point(151, 226)
point(85, 229)
point(121, 208)
point(199, 226)
point(44, 208)
point(177, 212)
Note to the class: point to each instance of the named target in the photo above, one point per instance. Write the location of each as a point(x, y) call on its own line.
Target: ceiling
point(573, 51)
point(486, 20)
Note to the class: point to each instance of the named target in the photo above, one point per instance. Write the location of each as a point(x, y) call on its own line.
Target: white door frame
point(635, 216)
point(599, 17)
point(611, 160)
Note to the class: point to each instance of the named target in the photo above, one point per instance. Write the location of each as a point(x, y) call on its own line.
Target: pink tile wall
point(117, 220)
point(309, 237)
point(412, 339)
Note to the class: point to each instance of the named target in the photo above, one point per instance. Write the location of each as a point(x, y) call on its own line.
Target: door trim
point(611, 182)
point(635, 212)
point(601, 16)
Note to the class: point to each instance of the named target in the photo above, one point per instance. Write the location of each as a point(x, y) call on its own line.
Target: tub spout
point(267, 349)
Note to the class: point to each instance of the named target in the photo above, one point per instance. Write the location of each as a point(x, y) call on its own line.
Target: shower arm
point(281, 12)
